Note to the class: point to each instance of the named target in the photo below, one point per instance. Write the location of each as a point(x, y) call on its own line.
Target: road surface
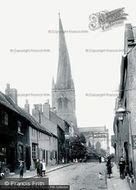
point(80, 176)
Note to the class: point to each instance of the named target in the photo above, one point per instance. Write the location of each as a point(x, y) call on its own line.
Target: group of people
point(123, 167)
point(41, 168)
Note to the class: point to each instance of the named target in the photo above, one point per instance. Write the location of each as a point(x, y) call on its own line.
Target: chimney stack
point(27, 107)
point(46, 109)
point(11, 92)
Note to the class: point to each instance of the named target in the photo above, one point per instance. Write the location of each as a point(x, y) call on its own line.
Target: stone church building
point(63, 90)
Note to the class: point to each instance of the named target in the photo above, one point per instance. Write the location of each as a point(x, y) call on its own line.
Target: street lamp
point(121, 112)
point(67, 136)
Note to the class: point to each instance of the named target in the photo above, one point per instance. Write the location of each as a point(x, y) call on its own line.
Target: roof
point(9, 103)
point(57, 120)
point(64, 76)
point(48, 124)
point(5, 103)
point(92, 129)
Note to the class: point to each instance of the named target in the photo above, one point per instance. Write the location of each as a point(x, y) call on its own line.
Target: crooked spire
point(53, 83)
point(64, 77)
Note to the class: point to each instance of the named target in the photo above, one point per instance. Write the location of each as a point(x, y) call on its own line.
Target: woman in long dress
point(109, 167)
point(43, 168)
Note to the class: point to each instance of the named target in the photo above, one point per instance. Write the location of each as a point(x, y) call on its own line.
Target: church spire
point(53, 83)
point(64, 77)
point(63, 92)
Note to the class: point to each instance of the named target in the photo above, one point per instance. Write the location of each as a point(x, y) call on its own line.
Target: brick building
point(23, 138)
point(56, 125)
point(124, 126)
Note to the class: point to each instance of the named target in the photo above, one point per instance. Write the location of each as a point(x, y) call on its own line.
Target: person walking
point(109, 167)
point(43, 168)
point(100, 159)
point(38, 167)
point(122, 165)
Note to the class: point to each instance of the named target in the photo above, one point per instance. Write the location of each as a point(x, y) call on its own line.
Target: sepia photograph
point(68, 95)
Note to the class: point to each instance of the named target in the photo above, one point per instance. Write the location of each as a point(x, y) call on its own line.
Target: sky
point(26, 25)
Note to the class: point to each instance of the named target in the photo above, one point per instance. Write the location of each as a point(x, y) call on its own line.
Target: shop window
point(52, 154)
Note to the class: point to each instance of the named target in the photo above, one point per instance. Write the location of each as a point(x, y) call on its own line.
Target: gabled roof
point(57, 120)
point(9, 103)
point(5, 103)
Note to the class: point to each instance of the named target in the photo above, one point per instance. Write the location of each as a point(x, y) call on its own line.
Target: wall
point(44, 142)
point(132, 95)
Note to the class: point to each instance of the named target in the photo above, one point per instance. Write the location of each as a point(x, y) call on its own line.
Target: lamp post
point(121, 112)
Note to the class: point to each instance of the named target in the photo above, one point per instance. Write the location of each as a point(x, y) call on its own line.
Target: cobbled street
point(80, 176)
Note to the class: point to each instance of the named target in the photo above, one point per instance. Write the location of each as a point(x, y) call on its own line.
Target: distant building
point(63, 90)
point(97, 137)
point(56, 125)
point(11, 92)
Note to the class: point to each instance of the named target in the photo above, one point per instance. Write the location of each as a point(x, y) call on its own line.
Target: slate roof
point(9, 103)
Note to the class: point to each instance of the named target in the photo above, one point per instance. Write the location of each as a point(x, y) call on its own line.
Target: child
point(21, 167)
point(43, 168)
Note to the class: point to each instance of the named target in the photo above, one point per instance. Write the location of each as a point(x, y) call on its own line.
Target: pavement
point(33, 173)
point(115, 182)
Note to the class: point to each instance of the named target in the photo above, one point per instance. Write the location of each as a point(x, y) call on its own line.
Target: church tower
point(63, 91)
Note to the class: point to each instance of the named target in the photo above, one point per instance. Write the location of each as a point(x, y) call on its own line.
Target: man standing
point(122, 165)
point(109, 167)
point(100, 159)
point(38, 167)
